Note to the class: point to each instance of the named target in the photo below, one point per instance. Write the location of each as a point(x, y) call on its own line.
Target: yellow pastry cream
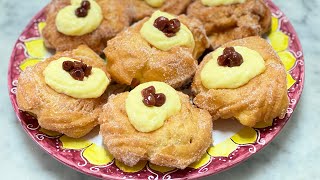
point(69, 23)
point(147, 119)
point(158, 39)
point(155, 3)
point(220, 2)
point(61, 81)
point(214, 76)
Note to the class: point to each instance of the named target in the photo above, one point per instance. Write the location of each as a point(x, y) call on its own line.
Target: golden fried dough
point(182, 140)
point(130, 55)
point(263, 98)
point(231, 22)
point(55, 111)
point(141, 9)
point(116, 17)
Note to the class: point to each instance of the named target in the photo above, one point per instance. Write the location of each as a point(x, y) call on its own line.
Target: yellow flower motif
point(129, 169)
point(94, 153)
point(161, 169)
point(246, 135)
point(35, 49)
point(97, 155)
point(203, 161)
point(228, 142)
point(50, 133)
point(41, 25)
point(280, 42)
point(291, 81)
point(263, 124)
point(28, 63)
point(71, 143)
point(223, 149)
point(287, 59)
point(274, 24)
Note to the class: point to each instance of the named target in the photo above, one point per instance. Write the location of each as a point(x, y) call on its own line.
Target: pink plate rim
point(294, 94)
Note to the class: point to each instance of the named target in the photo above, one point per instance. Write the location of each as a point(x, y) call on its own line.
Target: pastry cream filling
point(69, 24)
point(159, 40)
point(214, 76)
point(147, 119)
point(61, 81)
point(155, 3)
point(220, 2)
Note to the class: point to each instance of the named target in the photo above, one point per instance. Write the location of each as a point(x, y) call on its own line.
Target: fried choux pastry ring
point(144, 8)
point(144, 53)
point(225, 21)
point(65, 92)
point(166, 129)
point(71, 23)
point(244, 79)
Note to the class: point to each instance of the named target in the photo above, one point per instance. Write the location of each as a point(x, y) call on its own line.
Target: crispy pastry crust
point(131, 56)
point(231, 22)
point(116, 17)
point(55, 111)
point(141, 9)
point(182, 140)
point(263, 98)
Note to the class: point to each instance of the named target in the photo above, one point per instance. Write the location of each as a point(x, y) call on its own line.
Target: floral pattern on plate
point(233, 143)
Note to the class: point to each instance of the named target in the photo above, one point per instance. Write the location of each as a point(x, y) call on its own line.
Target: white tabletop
point(294, 154)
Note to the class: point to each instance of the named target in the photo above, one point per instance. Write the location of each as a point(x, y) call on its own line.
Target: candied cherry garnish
point(87, 71)
point(77, 64)
point(77, 74)
point(160, 99)
point(150, 98)
point(168, 27)
point(85, 4)
point(78, 70)
point(82, 11)
point(161, 23)
point(148, 90)
point(230, 58)
point(174, 25)
point(67, 65)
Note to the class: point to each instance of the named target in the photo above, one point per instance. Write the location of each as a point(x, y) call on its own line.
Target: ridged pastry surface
point(263, 98)
point(142, 9)
point(182, 140)
point(116, 17)
point(231, 22)
point(131, 56)
point(55, 111)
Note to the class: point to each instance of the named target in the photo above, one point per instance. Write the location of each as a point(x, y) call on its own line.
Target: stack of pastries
point(154, 48)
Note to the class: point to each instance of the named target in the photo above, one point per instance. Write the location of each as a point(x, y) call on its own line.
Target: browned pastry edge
point(231, 22)
point(116, 17)
point(182, 140)
point(131, 56)
point(55, 111)
point(263, 98)
point(141, 9)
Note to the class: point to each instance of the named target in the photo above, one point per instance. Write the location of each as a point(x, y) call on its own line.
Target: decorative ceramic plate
point(233, 143)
